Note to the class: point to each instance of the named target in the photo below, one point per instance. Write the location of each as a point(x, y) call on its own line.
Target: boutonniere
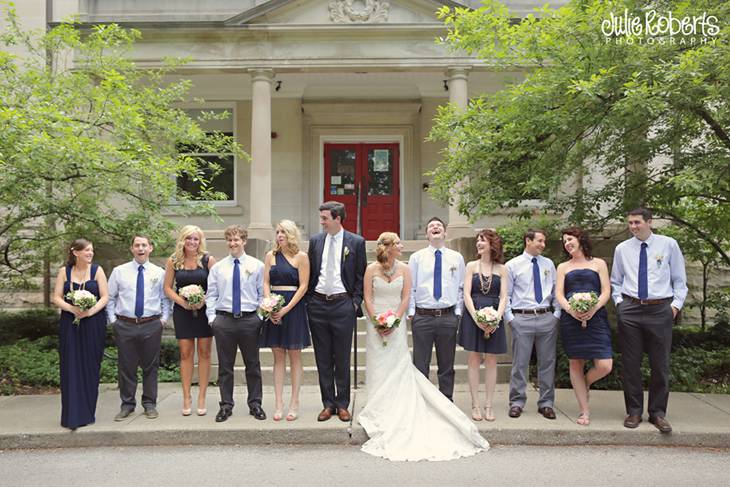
point(248, 269)
point(452, 269)
point(154, 280)
point(345, 253)
point(546, 272)
point(659, 258)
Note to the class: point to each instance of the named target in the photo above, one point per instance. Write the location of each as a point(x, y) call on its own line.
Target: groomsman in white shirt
point(649, 288)
point(436, 304)
point(138, 309)
point(235, 289)
point(533, 313)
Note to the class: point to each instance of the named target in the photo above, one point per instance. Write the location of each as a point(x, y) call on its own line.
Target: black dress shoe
point(515, 412)
point(223, 415)
point(257, 412)
point(547, 412)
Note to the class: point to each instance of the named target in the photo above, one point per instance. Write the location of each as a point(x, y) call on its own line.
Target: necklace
point(389, 272)
point(485, 285)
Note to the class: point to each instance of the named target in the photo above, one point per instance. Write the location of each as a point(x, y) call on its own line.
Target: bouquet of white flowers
point(270, 305)
point(488, 317)
point(582, 302)
point(193, 294)
point(386, 320)
point(83, 299)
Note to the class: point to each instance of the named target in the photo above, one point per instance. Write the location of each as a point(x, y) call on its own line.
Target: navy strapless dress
point(591, 342)
point(189, 325)
point(471, 337)
point(293, 331)
point(80, 350)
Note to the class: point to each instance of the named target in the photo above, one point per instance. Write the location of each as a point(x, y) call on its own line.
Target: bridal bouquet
point(582, 302)
point(83, 299)
point(387, 320)
point(488, 317)
point(194, 295)
point(270, 305)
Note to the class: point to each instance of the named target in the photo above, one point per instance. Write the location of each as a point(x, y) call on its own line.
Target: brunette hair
point(583, 240)
point(531, 233)
point(642, 212)
point(76, 245)
point(235, 230)
point(335, 208)
point(140, 235)
point(436, 219)
point(385, 241)
point(496, 252)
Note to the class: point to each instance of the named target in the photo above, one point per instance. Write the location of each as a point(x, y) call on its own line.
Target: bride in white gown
point(406, 416)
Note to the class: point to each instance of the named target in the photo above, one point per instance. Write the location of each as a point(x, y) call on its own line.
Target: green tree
point(591, 124)
point(91, 144)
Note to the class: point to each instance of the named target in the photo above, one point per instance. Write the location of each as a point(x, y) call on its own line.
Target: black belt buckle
point(329, 297)
point(437, 312)
point(237, 315)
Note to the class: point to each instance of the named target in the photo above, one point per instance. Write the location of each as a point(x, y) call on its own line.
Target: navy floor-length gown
point(593, 341)
point(80, 349)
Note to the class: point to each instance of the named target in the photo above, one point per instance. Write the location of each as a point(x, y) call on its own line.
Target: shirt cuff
point(508, 316)
point(676, 304)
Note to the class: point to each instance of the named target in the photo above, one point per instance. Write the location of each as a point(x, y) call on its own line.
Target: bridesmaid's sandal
point(476, 414)
point(278, 414)
point(583, 419)
point(293, 414)
point(488, 414)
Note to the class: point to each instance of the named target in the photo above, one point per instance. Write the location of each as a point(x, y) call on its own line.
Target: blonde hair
point(385, 241)
point(293, 237)
point(178, 256)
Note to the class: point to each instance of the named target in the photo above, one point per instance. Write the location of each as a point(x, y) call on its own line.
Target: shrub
point(31, 324)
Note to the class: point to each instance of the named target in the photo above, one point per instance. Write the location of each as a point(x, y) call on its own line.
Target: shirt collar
point(530, 257)
point(137, 264)
point(240, 258)
point(434, 249)
point(648, 241)
point(337, 236)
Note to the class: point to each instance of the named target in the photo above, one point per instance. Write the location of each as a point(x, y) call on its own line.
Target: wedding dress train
point(406, 416)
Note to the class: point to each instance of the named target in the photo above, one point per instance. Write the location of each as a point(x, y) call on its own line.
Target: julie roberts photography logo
point(652, 27)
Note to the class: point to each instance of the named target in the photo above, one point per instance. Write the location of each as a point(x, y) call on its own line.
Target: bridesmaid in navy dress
point(483, 288)
point(584, 273)
point(189, 264)
point(80, 347)
point(287, 274)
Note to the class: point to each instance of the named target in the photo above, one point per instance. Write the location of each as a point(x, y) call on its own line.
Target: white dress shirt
point(521, 285)
point(336, 239)
point(453, 269)
point(665, 270)
point(123, 291)
point(220, 285)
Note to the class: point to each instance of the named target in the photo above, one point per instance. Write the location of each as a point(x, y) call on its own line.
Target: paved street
point(345, 465)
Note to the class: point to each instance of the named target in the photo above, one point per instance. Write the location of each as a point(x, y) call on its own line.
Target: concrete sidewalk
point(699, 420)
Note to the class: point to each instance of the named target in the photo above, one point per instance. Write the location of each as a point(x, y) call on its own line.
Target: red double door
point(365, 178)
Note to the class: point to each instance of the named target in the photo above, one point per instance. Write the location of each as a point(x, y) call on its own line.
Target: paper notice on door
point(381, 160)
point(349, 186)
point(336, 180)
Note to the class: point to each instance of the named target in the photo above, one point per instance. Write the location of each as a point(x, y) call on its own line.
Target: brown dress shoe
point(547, 412)
point(344, 415)
point(661, 424)
point(325, 414)
point(632, 421)
point(515, 412)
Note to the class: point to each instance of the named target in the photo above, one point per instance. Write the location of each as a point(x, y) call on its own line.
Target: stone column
point(260, 192)
point(459, 225)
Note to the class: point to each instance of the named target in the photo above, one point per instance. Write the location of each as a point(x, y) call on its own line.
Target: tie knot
point(438, 252)
point(534, 260)
point(140, 268)
point(236, 261)
point(644, 245)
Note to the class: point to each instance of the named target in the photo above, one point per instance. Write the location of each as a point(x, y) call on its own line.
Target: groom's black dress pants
point(332, 324)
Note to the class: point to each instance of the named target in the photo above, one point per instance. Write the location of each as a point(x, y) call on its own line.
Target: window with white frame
point(225, 163)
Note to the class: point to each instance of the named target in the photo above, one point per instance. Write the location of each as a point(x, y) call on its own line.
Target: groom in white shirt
point(436, 303)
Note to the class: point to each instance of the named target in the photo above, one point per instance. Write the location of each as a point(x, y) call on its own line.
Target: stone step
point(310, 376)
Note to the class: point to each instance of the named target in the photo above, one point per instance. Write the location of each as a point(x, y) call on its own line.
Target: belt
point(236, 316)
point(435, 311)
point(284, 288)
point(138, 321)
point(536, 311)
point(646, 301)
point(330, 297)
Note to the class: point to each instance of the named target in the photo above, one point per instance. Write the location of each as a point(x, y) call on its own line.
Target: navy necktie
point(437, 277)
point(537, 281)
point(139, 297)
point(643, 273)
point(236, 287)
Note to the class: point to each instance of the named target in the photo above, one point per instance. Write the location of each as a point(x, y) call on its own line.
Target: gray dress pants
point(541, 331)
